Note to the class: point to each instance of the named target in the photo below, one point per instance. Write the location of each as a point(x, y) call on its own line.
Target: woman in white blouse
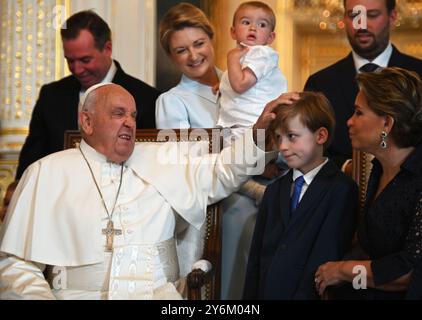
point(186, 36)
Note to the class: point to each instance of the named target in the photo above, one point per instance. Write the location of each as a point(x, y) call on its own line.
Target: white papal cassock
point(56, 219)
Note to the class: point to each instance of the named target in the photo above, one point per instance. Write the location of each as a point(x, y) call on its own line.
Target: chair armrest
point(203, 264)
point(201, 274)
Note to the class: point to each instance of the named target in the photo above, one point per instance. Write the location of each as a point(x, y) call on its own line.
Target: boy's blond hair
point(258, 5)
point(314, 111)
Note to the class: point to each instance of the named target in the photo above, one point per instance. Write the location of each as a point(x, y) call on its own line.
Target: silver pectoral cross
point(109, 232)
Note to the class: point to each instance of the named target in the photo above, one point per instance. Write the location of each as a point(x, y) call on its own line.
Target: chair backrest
point(212, 241)
point(361, 170)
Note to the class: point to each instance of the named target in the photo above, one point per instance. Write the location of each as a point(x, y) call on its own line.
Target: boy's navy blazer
point(286, 251)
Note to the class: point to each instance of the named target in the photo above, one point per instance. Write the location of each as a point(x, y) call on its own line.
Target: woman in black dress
point(388, 124)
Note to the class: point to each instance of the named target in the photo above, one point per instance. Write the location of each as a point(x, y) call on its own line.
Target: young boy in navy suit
point(308, 216)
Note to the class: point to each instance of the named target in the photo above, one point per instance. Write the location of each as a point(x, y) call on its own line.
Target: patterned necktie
point(296, 193)
point(369, 67)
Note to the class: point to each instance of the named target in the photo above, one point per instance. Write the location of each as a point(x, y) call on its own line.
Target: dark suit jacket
point(56, 111)
point(338, 84)
point(286, 252)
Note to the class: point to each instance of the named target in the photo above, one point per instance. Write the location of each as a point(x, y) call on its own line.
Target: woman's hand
point(328, 274)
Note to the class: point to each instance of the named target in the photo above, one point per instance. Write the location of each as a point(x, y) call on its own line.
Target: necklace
point(109, 232)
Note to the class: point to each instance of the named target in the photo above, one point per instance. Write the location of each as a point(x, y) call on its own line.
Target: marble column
point(28, 47)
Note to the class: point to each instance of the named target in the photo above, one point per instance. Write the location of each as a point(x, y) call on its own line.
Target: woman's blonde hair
point(397, 93)
point(183, 15)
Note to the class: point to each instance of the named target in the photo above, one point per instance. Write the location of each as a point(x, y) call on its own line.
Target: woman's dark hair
point(397, 93)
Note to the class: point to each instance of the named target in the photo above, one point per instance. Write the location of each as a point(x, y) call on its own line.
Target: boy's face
point(302, 149)
point(252, 26)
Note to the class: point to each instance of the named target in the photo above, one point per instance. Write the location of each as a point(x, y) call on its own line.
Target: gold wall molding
point(27, 55)
point(60, 66)
point(8, 166)
point(14, 131)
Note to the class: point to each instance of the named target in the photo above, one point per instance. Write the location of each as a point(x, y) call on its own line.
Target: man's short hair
point(314, 111)
point(391, 5)
point(258, 5)
point(90, 21)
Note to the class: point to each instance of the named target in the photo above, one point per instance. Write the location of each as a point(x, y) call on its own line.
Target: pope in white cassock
point(100, 221)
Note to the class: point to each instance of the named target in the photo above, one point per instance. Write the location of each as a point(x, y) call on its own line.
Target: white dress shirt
point(382, 60)
point(309, 177)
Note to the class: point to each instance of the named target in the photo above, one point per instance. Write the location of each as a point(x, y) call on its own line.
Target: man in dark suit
point(87, 48)
point(371, 48)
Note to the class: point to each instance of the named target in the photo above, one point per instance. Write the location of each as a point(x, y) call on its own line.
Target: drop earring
point(384, 136)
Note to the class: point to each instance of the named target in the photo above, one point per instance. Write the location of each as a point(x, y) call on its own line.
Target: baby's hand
point(236, 54)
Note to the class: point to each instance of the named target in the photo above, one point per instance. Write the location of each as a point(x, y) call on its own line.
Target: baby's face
point(252, 27)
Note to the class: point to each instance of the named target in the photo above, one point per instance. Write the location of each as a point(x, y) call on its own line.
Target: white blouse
point(188, 105)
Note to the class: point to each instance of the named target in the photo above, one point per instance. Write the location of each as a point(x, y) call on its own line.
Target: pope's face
point(111, 126)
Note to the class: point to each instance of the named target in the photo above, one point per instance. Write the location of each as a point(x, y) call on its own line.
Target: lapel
point(347, 77)
point(314, 193)
point(71, 101)
point(119, 77)
point(396, 58)
point(283, 206)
